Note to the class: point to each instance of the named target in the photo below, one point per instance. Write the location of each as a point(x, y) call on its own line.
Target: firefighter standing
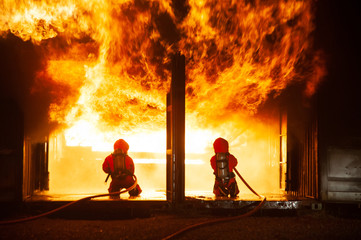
point(223, 163)
point(121, 168)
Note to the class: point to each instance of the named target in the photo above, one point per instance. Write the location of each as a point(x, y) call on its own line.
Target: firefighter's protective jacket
point(220, 145)
point(108, 165)
point(123, 178)
point(224, 185)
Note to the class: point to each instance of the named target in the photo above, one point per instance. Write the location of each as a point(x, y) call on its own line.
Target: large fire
point(108, 69)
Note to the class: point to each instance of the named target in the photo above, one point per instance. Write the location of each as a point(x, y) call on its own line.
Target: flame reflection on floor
point(154, 195)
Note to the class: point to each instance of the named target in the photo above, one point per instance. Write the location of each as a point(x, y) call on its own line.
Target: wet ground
point(159, 221)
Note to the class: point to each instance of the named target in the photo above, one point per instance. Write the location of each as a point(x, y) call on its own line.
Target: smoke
point(19, 63)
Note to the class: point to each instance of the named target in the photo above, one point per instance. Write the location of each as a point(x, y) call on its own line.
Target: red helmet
point(121, 144)
point(220, 145)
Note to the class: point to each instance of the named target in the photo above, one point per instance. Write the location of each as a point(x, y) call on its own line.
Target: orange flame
point(253, 48)
point(113, 59)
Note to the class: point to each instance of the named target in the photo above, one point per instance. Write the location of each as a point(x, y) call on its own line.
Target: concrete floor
point(150, 216)
point(151, 220)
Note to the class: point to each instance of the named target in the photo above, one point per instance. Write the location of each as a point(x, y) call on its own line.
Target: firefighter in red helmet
point(223, 164)
point(121, 169)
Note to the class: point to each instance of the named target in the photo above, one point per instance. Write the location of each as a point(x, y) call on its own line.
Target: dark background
point(339, 97)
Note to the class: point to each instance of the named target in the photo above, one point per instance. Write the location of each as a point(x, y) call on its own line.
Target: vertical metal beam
point(176, 132)
point(39, 166)
point(283, 149)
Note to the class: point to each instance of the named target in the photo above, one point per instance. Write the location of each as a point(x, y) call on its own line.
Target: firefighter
point(223, 163)
point(121, 169)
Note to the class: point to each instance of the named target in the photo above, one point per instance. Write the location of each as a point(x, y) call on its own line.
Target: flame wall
point(105, 70)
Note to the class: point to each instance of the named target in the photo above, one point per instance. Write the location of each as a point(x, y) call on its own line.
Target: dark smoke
point(19, 63)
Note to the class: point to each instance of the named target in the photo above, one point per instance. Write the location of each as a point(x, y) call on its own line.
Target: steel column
point(176, 132)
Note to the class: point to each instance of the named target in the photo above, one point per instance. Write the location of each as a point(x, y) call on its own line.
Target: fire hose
point(225, 219)
point(69, 204)
point(132, 187)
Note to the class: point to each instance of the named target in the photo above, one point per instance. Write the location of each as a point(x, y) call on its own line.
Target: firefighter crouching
point(121, 169)
point(223, 163)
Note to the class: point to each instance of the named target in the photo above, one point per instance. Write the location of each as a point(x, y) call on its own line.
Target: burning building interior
point(278, 79)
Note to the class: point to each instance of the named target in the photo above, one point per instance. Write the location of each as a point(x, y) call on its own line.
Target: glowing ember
point(112, 57)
